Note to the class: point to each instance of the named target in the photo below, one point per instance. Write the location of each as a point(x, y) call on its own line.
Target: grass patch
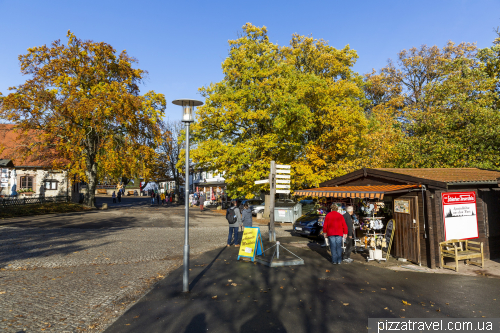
point(40, 209)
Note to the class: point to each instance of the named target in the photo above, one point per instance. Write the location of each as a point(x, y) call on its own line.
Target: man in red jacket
point(335, 229)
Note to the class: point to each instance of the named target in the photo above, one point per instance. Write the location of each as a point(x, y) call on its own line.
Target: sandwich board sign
point(251, 243)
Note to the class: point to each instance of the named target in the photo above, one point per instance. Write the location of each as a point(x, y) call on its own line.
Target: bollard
point(277, 250)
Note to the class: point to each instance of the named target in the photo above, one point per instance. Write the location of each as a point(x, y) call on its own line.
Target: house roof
point(372, 192)
point(6, 163)
point(449, 175)
point(432, 178)
point(11, 141)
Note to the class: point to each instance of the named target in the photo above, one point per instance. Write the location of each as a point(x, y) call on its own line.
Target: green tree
point(83, 102)
point(443, 101)
point(299, 104)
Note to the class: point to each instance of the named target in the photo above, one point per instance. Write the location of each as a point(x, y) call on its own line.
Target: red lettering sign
point(455, 198)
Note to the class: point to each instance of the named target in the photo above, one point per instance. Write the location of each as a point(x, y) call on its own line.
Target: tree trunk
point(91, 174)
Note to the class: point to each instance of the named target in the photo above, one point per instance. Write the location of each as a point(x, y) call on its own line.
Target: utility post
point(278, 174)
point(272, 185)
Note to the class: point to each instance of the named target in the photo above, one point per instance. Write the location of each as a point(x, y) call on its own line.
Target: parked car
point(307, 225)
point(260, 208)
point(251, 203)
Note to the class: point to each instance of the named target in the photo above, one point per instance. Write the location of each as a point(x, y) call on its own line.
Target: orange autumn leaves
point(85, 102)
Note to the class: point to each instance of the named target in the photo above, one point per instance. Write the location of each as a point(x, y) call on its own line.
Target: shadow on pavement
point(315, 297)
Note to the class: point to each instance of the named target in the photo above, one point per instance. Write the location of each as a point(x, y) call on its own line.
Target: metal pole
point(185, 278)
point(272, 181)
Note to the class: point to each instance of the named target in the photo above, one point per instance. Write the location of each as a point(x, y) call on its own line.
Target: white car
point(260, 208)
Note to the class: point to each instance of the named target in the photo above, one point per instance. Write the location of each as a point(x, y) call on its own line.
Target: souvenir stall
point(372, 214)
point(370, 218)
point(411, 209)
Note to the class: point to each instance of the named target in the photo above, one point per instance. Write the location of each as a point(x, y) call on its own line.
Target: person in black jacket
point(350, 234)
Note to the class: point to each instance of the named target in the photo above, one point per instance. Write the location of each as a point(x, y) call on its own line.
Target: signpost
point(278, 183)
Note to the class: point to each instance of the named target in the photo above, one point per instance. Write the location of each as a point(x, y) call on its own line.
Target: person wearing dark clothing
point(233, 227)
point(350, 234)
point(335, 229)
point(152, 197)
point(114, 197)
point(119, 195)
point(158, 198)
point(246, 216)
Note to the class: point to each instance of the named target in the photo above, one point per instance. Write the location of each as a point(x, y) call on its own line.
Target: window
point(51, 184)
point(26, 182)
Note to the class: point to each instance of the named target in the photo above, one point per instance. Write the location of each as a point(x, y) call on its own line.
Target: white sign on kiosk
point(460, 215)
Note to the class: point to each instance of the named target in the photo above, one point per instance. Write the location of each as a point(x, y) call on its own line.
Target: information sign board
point(283, 191)
point(251, 243)
point(460, 215)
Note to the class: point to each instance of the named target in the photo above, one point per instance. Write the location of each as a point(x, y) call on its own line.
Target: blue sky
point(183, 43)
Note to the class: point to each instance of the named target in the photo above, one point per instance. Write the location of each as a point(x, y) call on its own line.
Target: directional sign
point(283, 191)
point(282, 186)
point(282, 171)
point(283, 176)
point(262, 181)
point(280, 166)
point(280, 181)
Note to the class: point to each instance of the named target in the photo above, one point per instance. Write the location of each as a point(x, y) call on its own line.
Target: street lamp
point(187, 117)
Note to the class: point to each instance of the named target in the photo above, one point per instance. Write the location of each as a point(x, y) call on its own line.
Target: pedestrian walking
point(233, 217)
point(119, 196)
point(162, 197)
point(246, 216)
point(157, 198)
point(202, 200)
point(152, 197)
point(114, 197)
point(335, 229)
point(350, 234)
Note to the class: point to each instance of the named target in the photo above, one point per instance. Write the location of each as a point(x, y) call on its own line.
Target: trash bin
point(287, 211)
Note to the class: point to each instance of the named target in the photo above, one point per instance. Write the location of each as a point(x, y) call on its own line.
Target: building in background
point(34, 175)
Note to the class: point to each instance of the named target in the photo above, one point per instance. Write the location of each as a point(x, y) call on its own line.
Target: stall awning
point(371, 192)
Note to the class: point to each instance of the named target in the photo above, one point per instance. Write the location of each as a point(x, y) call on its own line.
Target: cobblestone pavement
point(74, 279)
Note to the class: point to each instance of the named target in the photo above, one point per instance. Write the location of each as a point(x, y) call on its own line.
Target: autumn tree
point(443, 101)
point(299, 104)
point(490, 57)
point(84, 102)
point(169, 153)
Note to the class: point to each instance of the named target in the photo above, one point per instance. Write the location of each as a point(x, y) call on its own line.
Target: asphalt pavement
point(236, 296)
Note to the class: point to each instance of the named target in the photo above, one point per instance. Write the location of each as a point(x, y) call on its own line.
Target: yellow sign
point(251, 243)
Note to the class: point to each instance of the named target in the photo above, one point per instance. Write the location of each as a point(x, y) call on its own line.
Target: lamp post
point(187, 118)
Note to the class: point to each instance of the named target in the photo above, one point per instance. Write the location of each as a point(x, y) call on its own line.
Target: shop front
point(215, 191)
point(424, 206)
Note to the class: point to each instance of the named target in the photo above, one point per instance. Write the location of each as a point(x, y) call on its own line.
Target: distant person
point(114, 197)
point(335, 229)
point(350, 234)
point(202, 200)
point(233, 217)
point(162, 198)
point(119, 196)
point(153, 197)
point(158, 198)
point(246, 216)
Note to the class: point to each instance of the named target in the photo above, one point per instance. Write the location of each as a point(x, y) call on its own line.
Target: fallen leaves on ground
point(405, 302)
point(345, 304)
point(214, 297)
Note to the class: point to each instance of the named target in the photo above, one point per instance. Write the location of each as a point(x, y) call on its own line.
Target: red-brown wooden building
point(418, 232)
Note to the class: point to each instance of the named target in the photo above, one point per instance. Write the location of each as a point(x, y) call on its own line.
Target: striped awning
point(371, 192)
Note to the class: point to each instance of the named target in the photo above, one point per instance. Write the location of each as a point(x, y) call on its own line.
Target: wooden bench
point(102, 191)
point(130, 193)
point(461, 250)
